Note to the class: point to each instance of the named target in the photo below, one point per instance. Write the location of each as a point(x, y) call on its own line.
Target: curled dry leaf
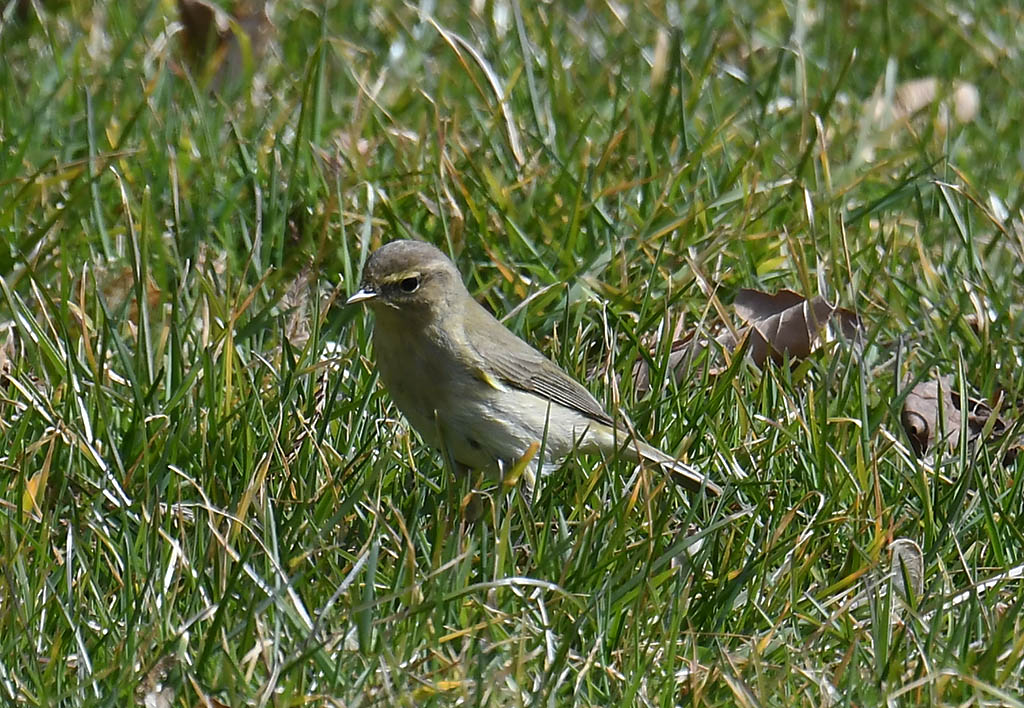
point(682, 356)
point(928, 413)
point(220, 47)
point(117, 285)
point(30, 13)
point(933, 414)
point(787, 323)
point(906, 570)
point(907, 557)
point(779, 325)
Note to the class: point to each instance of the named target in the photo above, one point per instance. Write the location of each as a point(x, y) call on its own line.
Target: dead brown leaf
point(28, 12)
point(220, 47)
point(927, 408)
point(906, 557)
point(683, 354)
point(787, 323)
point(779, 325)
point(933, 414)
point(118, 286)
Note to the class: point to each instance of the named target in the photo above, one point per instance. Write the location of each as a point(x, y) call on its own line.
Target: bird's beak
point(361, 295)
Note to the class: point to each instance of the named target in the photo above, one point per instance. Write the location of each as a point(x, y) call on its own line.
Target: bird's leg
point(525, 469)
point(470, 503)
point(446, 451)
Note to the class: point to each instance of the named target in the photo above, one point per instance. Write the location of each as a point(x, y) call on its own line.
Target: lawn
point(207, 497)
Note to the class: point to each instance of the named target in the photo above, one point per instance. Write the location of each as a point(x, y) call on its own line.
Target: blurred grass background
point(207, 499)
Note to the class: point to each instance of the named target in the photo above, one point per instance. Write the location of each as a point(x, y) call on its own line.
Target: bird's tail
point(682, 474)
point(604, 438)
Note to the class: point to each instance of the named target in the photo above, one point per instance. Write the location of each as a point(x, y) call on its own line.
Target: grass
point(203, 484)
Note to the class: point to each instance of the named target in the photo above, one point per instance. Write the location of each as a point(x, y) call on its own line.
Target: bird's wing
point(519, 365)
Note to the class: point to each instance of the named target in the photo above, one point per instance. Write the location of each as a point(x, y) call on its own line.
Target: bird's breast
point(444, 389)
point(417, 372)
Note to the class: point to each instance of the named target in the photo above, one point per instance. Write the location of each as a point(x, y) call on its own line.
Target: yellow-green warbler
point(466, 382)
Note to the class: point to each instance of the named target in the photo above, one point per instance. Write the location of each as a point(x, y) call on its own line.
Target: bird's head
point(413, 278)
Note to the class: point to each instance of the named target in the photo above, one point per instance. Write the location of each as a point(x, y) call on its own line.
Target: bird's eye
point(410, 284)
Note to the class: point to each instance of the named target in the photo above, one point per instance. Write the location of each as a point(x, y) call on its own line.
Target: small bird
point(469, 384)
